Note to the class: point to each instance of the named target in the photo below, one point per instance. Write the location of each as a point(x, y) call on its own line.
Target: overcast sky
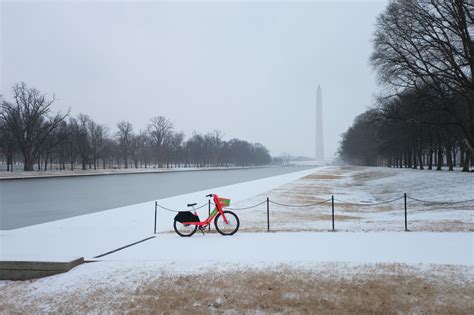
point(248, 69)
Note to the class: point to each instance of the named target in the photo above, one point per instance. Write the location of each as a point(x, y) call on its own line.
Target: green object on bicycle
point(224, 202)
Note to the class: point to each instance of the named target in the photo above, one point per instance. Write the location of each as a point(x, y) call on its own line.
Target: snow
point(345, 253)
point(363, 185)
point(97, 233)
point(50, 258)
point(112, 279)
point(94, 234)
point(304, 247)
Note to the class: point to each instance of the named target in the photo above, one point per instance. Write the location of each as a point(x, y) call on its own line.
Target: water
point(25, 202)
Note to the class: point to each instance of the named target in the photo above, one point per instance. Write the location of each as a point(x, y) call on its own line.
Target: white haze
point(248, 69)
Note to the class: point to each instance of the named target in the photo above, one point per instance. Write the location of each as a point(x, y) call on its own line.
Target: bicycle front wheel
point(228, 228)
point(184, 230)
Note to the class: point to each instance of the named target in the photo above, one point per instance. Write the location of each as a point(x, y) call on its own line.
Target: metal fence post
point(209, 209)
point(268, 215)
point(332, 205)
point(156, 209)
point(406, 220)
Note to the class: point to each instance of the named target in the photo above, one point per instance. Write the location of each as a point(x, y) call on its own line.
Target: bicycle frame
point(217, 209)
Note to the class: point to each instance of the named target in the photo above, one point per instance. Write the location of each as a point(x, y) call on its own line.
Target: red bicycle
point(226, 222)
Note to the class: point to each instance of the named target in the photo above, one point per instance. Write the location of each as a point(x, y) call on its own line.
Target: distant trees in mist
point(396, 134)
point(32, 134)
point(424, 57)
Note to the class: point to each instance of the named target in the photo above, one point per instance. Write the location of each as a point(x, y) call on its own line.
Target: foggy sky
point(248, 69)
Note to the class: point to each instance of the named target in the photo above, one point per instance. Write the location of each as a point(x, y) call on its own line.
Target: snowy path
point(310, 247)
point(94, 234)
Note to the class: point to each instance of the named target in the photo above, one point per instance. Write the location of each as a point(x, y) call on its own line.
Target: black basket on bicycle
point(186, 216)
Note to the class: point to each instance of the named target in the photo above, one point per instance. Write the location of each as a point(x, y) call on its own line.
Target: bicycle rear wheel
point(227, 228)
point(184, 230)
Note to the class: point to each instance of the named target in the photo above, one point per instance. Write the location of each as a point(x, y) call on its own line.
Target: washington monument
point(319, 126)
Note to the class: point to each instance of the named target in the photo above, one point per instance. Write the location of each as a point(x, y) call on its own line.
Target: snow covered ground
point(94, 234)
point(301, 247)
point(369, 254)
point(225, 288)
point(97, 233)
point(354, 189)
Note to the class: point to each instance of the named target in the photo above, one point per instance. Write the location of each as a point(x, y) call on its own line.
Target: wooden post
point(156, 209)
point(406, 220)
point(332, 206)
point(268, 215)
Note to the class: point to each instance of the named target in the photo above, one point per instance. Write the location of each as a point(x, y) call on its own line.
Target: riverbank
point(100, 172)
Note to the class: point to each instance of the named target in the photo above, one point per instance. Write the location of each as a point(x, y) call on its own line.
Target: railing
point(331, 200)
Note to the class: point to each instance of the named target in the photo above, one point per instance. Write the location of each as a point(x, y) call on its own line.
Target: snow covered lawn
point(356, 187)
point(153, 287)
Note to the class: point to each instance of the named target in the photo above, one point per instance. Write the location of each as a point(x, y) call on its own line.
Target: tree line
point(424, 59)
point(30, 132)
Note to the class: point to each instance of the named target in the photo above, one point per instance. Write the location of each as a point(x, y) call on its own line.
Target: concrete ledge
point(26, 270)
point(37, 174)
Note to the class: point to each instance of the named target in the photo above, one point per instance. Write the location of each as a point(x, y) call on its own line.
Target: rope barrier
point(204, 205)
point(325, 201)
point(244, 208)
point(299, 206)
point(171, 210)
point(368, 204)
point(440, 202)
point(331, 200)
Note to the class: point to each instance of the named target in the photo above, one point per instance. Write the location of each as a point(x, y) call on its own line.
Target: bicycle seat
point(191, 204)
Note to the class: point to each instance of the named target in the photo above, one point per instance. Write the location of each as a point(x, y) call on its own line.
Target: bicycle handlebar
point(210, 195)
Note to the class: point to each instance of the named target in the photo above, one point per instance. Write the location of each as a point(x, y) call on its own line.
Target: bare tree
point(110, 152)
point(427, 43)
point(160, 131)
point(63, 136)
point(398, 134)
point(136, 149)
point(83, 139)
point(124, 136)
point(72, 142)
point(216, 142)
point(29, 122)
point(48, 148)
point(26, 127)
point(139, 149)
point(98, 133)
point(7, 145)
point(175, 145)
point(196, 150)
